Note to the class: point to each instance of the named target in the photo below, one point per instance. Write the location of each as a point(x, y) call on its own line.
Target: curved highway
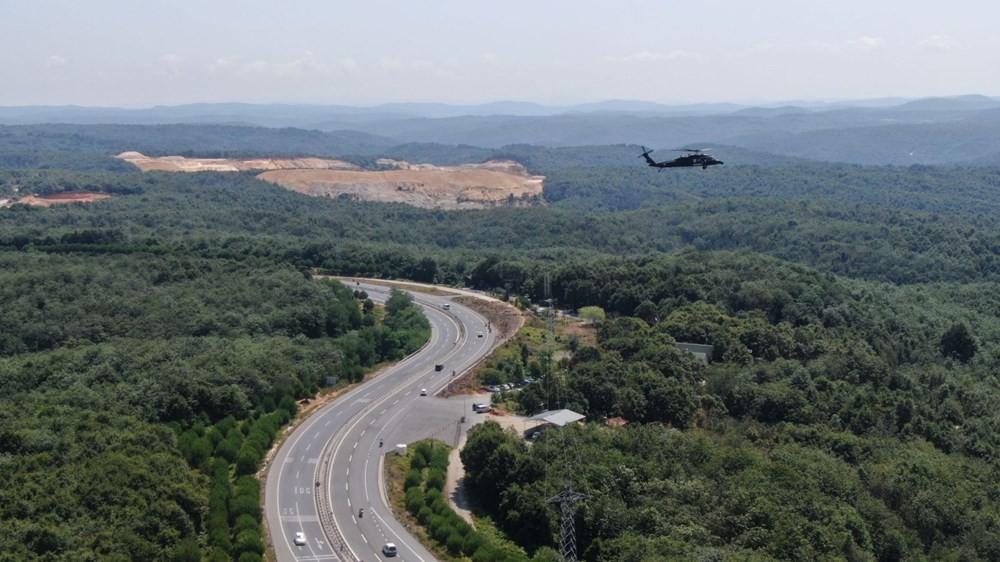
point(334, 458)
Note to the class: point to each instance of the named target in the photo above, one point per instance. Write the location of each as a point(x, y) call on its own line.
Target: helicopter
point(694, 158)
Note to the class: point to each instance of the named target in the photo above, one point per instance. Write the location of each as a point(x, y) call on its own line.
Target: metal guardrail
point(323, 508)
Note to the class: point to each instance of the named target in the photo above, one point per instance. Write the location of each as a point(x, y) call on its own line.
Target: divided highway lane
point(388, 408)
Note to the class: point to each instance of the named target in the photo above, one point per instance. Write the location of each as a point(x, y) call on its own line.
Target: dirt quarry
point(469, 186)
point(183, 164)
point(58, 198)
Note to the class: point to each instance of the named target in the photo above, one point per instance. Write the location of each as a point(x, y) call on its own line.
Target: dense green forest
point(922, 225)
point(139, 392)
point(838, 419)
point(154, 343)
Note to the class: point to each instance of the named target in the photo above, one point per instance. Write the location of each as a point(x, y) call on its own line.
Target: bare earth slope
point(56, 199)
point(470, 186)
point(182, 164)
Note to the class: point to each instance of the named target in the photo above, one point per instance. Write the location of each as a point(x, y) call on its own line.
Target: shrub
point(435, 479)
point(455, 543)
point(413, 479)
point(414, 499)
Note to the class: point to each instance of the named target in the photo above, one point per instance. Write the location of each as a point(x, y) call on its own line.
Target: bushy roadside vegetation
point(453, 537)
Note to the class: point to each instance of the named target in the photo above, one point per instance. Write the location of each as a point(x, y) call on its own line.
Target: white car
point(423, 392)
point(300, 538)
point(389, 549)
point(479, 335)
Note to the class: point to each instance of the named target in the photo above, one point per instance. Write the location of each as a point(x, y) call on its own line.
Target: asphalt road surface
point(356, 431)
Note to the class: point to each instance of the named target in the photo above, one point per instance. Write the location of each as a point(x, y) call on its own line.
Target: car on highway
point(389, 549)
point(423, 392)
point(300, 538)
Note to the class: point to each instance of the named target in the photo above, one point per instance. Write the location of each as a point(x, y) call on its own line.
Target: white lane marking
point(381, 492)
point(435, 338)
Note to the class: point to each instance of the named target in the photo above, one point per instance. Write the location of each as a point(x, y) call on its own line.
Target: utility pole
point(548, 301)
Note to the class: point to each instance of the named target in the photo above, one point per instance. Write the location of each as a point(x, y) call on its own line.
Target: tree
point(399, 300)
point(958, 343)
point(490, 456)
point(592, 313)
point(647, 311)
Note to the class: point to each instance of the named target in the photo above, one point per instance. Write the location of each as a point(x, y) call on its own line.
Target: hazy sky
point(139, 53)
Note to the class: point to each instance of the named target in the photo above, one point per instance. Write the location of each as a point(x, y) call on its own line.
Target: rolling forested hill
point(897, 132)
point(156, 340)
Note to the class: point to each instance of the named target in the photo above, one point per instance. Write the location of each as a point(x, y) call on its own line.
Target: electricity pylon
point(567, 525)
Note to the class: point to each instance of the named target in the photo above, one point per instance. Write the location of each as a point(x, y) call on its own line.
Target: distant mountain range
point(961, 129)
